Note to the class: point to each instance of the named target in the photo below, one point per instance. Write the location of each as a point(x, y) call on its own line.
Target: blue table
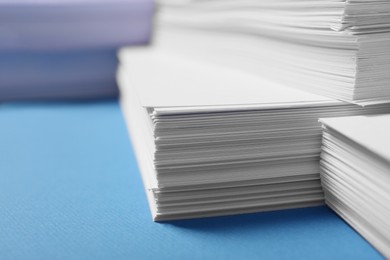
point(70, 189)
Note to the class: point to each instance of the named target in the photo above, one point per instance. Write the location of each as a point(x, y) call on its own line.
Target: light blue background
point(70, 189)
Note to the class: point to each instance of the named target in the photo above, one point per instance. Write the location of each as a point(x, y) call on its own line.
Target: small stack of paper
point(355, 174)
point(215, 141)
point(67, 49)
point(335, 48)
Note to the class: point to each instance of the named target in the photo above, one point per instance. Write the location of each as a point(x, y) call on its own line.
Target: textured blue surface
point(70, 189)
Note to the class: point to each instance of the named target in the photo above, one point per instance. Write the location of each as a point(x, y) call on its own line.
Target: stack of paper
point(67, 49)
point(337, 48)
point(214, 141)
point(355, 173)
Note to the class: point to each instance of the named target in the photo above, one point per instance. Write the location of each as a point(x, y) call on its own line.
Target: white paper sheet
point(163, 79)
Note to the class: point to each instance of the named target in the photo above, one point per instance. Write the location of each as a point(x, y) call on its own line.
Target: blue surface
point(70, 189)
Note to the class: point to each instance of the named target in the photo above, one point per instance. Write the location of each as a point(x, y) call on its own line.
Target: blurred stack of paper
point(60, 75)
point(338, 48)
point(73, 24)
point(355, 173)
point(67, 49)
point(214, 141)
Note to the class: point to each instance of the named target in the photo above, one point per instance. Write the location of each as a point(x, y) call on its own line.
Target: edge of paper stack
point(355, 163)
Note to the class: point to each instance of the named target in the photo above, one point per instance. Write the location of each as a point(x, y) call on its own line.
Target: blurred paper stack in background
point(335, 48)
point(67, 49)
